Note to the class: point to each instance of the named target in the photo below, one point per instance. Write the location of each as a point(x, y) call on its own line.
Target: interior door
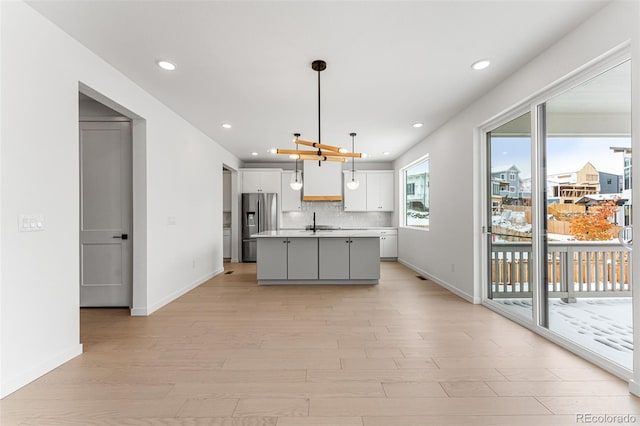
point(105, 214)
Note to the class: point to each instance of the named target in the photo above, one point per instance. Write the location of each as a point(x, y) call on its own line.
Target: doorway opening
point(112, 203)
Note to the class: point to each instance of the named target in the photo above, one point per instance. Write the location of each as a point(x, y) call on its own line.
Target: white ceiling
point(389, 63)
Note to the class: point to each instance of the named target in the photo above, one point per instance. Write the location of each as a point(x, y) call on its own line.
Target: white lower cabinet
point(333, 258)
point(364, 263)
point(272, 258)
point(343, 259)
point(287, 259)
point(226, 243)
point(302, 259)
point(349, 258)
point(389, 246)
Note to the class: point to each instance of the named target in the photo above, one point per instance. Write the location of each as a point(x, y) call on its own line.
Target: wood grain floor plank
point(231, 353)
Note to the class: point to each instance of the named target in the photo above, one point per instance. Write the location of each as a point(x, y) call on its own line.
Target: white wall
point(41, 68)
point(449, 251)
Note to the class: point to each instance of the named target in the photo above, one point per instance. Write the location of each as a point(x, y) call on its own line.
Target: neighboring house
point(610, 183)
point(507, 182)
point(417, 191)
point(572, 186)
point(626, 183)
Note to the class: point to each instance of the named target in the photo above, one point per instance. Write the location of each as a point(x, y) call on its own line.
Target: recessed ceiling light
point(481, 64)
point(166, 65)
point(254, 153)
point(226, 125)
point(386, 153)
point(272, 150)
point(417, 125)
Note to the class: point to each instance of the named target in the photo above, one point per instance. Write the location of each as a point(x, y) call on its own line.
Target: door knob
point(123, 236)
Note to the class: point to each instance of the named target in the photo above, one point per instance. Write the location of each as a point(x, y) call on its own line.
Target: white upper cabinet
point(267, 181)
point(355, 200)
point(291, 200)
point(380, 191)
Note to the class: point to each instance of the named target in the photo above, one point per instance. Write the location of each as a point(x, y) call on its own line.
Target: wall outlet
point(453, 267)
point(171, 220)
point(194, 265)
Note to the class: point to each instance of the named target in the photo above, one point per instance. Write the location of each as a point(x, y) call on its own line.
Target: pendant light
point(296, 178)
point(321, 152)
point(353, 183)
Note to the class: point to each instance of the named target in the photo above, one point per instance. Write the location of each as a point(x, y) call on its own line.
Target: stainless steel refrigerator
point(259, 213)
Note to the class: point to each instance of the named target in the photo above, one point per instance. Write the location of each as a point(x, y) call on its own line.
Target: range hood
point(322, 183)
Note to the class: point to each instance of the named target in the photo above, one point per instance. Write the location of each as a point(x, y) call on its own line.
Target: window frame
point(403, 198)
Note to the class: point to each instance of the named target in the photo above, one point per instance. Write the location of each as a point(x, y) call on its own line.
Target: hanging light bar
point(323, 157)
point(324, 152)
point(327, 153)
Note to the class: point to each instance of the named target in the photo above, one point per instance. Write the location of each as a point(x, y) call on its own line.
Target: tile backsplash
point(333, 214)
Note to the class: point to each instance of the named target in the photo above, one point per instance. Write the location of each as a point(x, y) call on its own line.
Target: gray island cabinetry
point(333, 257)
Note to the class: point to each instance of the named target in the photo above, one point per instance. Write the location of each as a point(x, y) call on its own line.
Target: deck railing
point(574, 269)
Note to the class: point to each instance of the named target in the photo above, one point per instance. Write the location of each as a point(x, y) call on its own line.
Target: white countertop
point(300, 233)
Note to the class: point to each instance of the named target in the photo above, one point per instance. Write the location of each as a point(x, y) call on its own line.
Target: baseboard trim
point(173, 296)
point(442, 283)
point(16, 382)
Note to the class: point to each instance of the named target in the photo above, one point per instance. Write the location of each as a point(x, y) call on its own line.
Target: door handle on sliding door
point(625, 236)
point(123, 236)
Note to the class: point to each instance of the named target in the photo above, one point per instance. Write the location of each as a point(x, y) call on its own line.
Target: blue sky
point(563, 154)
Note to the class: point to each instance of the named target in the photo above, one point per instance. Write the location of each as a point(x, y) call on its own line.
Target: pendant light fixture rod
point(297, 135)
point(319, 66)
point(319, 116)
point(353, 160)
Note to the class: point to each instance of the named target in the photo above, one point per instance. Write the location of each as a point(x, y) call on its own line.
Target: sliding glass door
point(571, 222)
point(509, 207)
point(587, 144)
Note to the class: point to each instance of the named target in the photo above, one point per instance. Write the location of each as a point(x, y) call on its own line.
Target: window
point(416, 196)
point(512, 189)
point(512, 176)
point(503, 176)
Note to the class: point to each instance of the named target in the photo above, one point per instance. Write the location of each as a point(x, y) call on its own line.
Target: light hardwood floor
point(403, 353)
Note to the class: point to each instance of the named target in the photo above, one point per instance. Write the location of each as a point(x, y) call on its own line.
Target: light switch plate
point(31, 223)
point(171, 220)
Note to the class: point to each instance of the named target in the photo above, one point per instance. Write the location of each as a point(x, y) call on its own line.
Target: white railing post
point(568, 277)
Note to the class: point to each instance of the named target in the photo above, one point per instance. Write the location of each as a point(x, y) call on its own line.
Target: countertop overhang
point(295, 233)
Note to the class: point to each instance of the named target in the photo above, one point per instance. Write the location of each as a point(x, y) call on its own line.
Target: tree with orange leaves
point(594, 224)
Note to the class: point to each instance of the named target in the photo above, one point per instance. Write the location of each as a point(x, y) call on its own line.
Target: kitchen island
point(323, 257)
